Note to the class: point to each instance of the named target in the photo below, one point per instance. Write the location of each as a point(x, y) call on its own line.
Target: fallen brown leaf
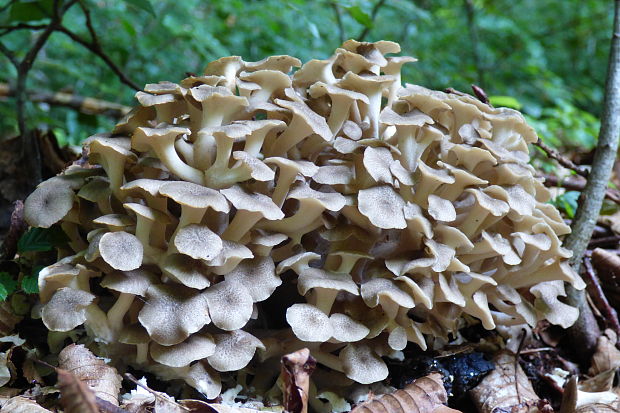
point(75, 395)
point(8, 319)
point(22, 405)
point(424, 395)
point(102, 379)
point(607, 356)
point(505, 389)
point(296, 370)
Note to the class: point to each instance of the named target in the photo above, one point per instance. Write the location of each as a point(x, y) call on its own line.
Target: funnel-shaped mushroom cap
point(132, 282)
point(374, 202)
point(121, 250)
point(189, 272)
point(232, 254)
point(230, 305)
point(55, 276)
point(282, 63)
point(362, 364)
point(313, 278)
point(257, 276)
point(197, 347)
point(309, 323)
point(252, 202)
point(48, 204)
point(194, 196)
point(234, 350)
point(66, 310)
point(172, 312)
point(198, 241)
point(347, 330)
point(385, 292)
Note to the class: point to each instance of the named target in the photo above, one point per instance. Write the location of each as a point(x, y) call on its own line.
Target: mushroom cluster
point(252, 211)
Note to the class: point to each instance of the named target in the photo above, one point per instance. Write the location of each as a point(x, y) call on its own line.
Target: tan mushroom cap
point(383, 206)
point(189, 272)
point(55, 276)
point(115, 222)
point(48, 204)
point(258, 276)
point(196, 347)
point(230, 305)
point(309, 323)
point(346, 329)
point(387, 293)
point(362, 364)
point(194, 200)
point(198, 241)
point(441, 209)
point(133, 334)
point(282, 63)
point(234, 350)
point(334, 175)
point(132, 282)
point(316, 278)
point(66, 309)
point(121, 250)
point(231, 255)
point(377, 162)
point(172, 313)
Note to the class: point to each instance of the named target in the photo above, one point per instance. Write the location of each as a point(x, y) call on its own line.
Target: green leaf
point(30, 284)
point(142, 5)
point(41, 239)
point(7, 285)
point(505, 101)
point(567, 202)
point(29, 10)
point(360, 16)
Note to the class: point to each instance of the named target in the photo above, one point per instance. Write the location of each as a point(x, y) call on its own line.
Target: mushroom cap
point(305, 168)
point(66, 309)
point(196, 347)
point(332, 201)
point(133, 334)
point(374, 202)
point(258, 276)
point(194, 195)
point(318, 278)
point(362, 364)
point(132, 282)
point(253, 202)
point(282, 63)
point(376, 289)
point(413, 118)
point(198, 241)
point(315, 121)
point(232, 254)
point(441, 209)
point(115, 221)
point(172, 313)
point(48, 204)
point(150, 214)
point(234, 350)
point(230, 305)
point(148, 99)
point(142, 186)
point(309, 323)
point(121, 250)
point(143, 136)
point(163, 88)
point(334, 175)
point(258, 169)
point(346, 329)
point(96, 189)
point(320, 88)
point(189, 272)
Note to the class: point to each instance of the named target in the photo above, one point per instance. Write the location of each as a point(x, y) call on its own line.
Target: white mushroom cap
point(66, 309)
point(234, 350)
point(309, 323)
point(362, 364)
point(346, 329)
point(232, 254)
point(196, 347)
point(132, 282)
point(230, 305)
point(189, 272)
point(258, 276)
point(172, 313)
point(374, 202)
point(198, 241)
point(48, 204)
point(121, 250)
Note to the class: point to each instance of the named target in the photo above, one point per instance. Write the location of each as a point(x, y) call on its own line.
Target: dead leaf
point(296, 370)
point(607, 356)
point(22, 405)
point(601, 382)
point(102, 379)
point(198, 406)
point(424, 395)
point(8, 319)
point(577, 401)
point(75, 395)
point(505, 389)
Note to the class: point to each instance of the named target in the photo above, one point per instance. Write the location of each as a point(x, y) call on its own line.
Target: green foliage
point(41, 239)
point(567, 202)
point(7, 285)
point(30, 283)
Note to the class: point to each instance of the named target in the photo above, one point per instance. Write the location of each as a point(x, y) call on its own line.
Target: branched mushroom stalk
point(385, 212)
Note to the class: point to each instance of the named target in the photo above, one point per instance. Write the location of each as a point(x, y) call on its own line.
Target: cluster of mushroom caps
point(396, 213)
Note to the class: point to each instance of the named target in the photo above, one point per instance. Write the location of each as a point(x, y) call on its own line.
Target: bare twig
point(598, 296)
point(578, 185)
point(373, 16)
point(338, 14)
point(82, 104)
point(21, 26)
point(561, 159)
point(585, 331)
point(611, 241)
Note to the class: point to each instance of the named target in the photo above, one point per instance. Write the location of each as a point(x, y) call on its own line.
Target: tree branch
point(338, 15)
point(373, 16)
point(578, 184)
point(584, 332)
point(561, 159)
point(21, 26)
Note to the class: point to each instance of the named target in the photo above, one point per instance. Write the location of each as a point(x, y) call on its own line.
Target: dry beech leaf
point(577, 401)
point(504, 389)
point(296, 370)
point(22, 405)
point(424, 395)
point(104, 381)
point(75, 396)
point(607, 356)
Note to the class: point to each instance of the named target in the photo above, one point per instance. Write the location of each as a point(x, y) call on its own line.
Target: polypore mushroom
point(48, 204)
point(194, 200)
point(121, 250)
point(234, 350)
point(230, 305)
point(112, 153)
point(341, 102)
point(197, 347)
point(66, 309)
point(309, 323)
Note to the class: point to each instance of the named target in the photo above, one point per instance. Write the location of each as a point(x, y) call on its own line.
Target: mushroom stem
point(240, 225)
point(323, 299)
point(117, 311)
point(142, 350)
point(143, 230)
point(204, 150)
point(308, 212)
point(285, 178)
point(328, 360)
point(297, 130)
point(173, 162)
point(341, 107)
